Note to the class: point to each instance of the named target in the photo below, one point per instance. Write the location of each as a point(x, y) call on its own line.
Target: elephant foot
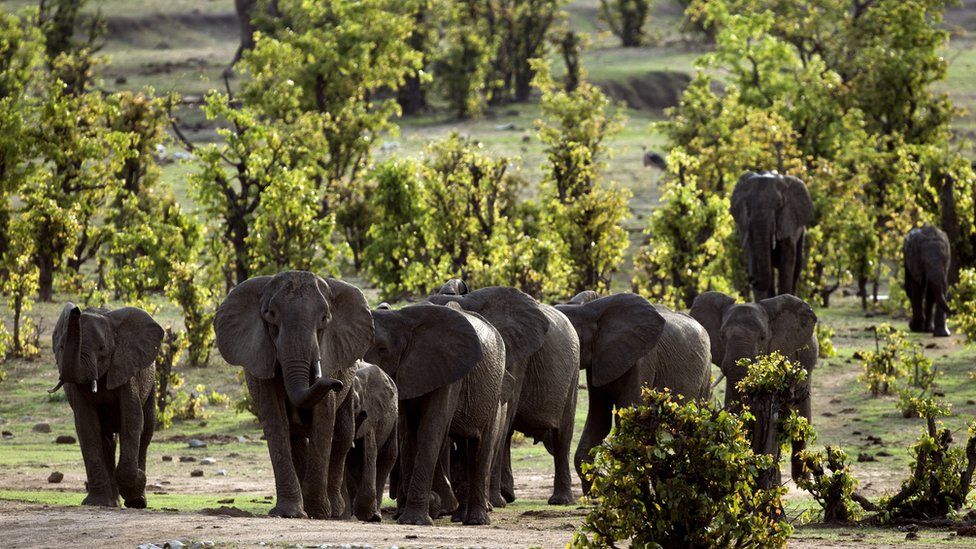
point(286, 509)
point(562, 498)
point(99, 500)
point(496, 500)
point(508, 492)
point(132, 486)
point(477, 516)
point(941, 332)
point(458, 514)
point(375, 517)
point(136, 503)
point(415, 517)
point(916, 326)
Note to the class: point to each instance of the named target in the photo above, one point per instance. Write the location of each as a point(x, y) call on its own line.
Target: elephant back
point(681, 360)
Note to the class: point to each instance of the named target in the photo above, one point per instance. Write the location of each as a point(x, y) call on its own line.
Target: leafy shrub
point(197, 301)
point(826, 345)
point(245, 405)
point(677, 474)
point(963, 304)
point(626, 19)
point(167, 381)
point(884, 365)
point(831, 484)
point(941, 473)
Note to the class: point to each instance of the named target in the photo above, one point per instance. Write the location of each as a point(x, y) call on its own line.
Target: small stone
point(241, 439)
point(863, 457)
point(55, 477)
point(221, 472)
point(227, 501)
point(65, 439)
point(196, 473)
point(42, 428)
point(202, 544)
point(911, 535)
point(208, 461)
point(969, 402)
point(167, 458)
point(187, 459)
point(196, 443)
point(7, 434)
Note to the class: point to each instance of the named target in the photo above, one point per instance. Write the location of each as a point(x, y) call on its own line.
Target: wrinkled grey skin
point(106, 363)
point(926, 258)
point(298, 337)
point(625, 344)
point(542, 360)
point(783, 323)
point(448, 367)
point(771, 213)
point(374, 452)
point(454, 286)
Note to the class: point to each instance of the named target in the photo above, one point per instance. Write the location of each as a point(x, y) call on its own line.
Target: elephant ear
point(797, 209)
point(137, 340)
point(242, 337)
point(584, 322)
point(67, 335)
point(516, 316)
point(628, 327)
point(708, 309)
point(443, 347)
point(741, 196)
point(791, 323)
point(350, 333)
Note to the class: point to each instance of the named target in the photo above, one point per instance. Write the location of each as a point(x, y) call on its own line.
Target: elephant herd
point(428, 397)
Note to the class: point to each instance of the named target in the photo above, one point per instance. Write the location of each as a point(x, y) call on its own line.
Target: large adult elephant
point(771, 213)
point(542, 358)
point(626, 344)
point(106, 365)
point(926, 257)
point(783, 323)
point(298, 337)
point(448, 367)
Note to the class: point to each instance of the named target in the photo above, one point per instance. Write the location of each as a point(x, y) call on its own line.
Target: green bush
point(677, 474)
point(197, 300)
point(831, 484)
point(824, 342)
point(884, 366)
point(963, 304)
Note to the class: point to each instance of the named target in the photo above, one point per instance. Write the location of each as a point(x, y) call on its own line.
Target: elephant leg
point(90, 439)
point(442, 487)
point(299, 453)
point(495, 492)
point(929, 301)
point(148, 428)
point(562, 490)
point(939, 328)
point(364, 505)
point(787, 267)
point(458, 474)
point(799, 262)
point(342, 437)
point(480, 453)
point(316, 479)
point(507, 480)
point(599, 417)
point(914, 291)
point(351, 480)
point(108, 454)
point(274, 422)
point(385, 463)
point(131, 479)
point(431, 431)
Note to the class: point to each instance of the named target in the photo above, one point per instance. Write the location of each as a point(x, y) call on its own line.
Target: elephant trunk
point(304, 383)
point(734, 373)
point(760, 251)
point(72, 365)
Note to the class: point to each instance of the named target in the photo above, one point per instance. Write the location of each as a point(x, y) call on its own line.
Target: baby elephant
point(106, 365)
point(368, 464)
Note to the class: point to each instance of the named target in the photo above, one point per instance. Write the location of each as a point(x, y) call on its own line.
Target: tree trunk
point(45, 277)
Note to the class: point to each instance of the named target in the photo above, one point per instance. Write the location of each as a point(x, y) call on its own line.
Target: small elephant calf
point(369, 462)
point(106, 365)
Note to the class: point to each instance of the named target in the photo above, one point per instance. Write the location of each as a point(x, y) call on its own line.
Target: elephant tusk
point(719, 380)
point(56, 387)
point(94, 385)
point(317, 370)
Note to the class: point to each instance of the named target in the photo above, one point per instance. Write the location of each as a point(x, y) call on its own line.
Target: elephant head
point(424, 347)
point(784, 323)
point(614, 333)
point(768, 207)
point(101, 344)
point(295, 322)
point(515, 314)
point(454, 286)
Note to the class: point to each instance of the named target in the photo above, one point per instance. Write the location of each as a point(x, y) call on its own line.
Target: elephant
point(106, 364)
point(542, 358)
point(927, 256)
point(454, 286)
point(771, 212)
point(374, 452)
point(448, 366)
point(784, 323)
point(298, 337)
point(626, 343)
